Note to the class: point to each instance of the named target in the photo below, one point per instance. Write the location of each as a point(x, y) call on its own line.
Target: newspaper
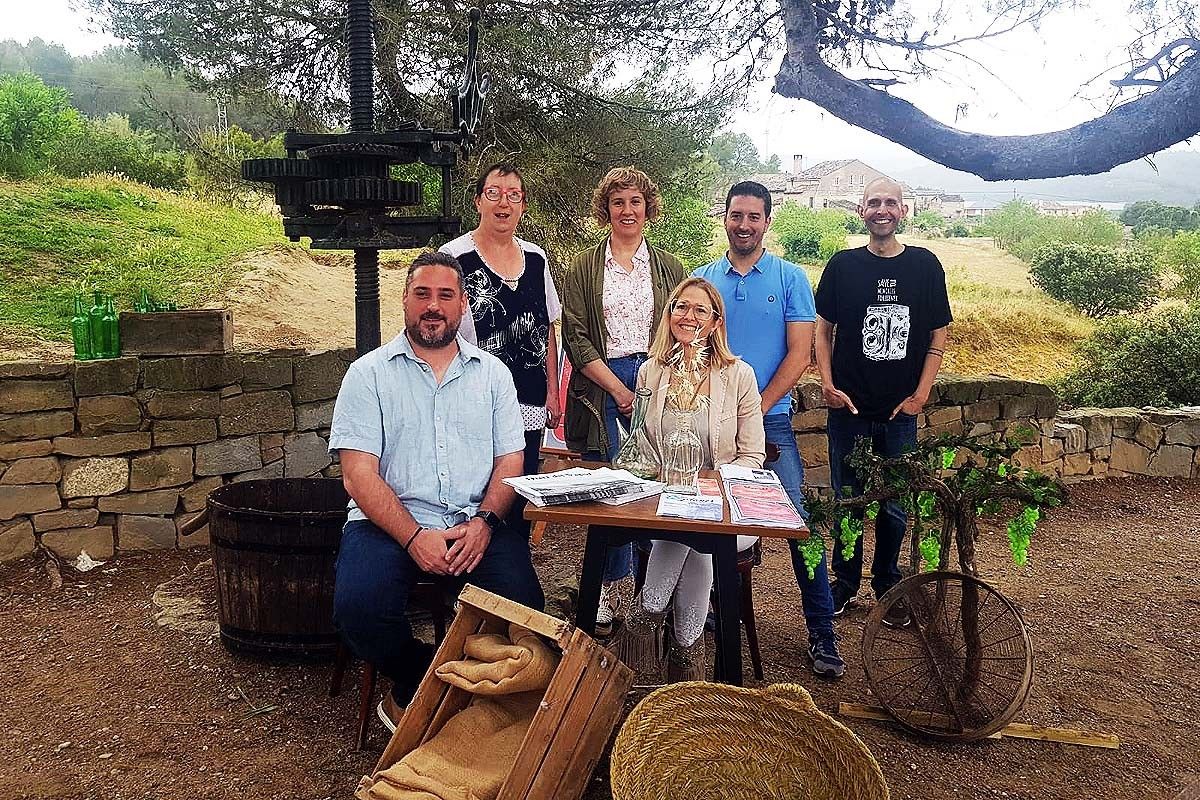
point(579, 484)
point(756, 497)
point(707, 504)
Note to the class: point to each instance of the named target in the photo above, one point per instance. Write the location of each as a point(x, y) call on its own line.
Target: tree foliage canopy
point(34, 120)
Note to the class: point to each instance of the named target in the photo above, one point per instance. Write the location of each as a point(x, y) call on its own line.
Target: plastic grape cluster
point(849, 529)
point(1020, 530)
point(812, 549)
point(931, 550)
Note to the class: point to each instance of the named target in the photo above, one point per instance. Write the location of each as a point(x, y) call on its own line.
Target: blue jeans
point(619, 561)
point(370, 596)
point(815, 595)
point(889, 439)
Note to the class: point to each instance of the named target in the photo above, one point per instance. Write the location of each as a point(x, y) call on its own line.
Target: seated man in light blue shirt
point(426, 428)
point(769, 315)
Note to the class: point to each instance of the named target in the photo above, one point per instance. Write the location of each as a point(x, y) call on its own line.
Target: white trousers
point(676, 570)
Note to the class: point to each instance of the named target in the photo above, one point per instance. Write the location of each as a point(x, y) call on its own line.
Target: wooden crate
point(571, 727)
point(177, 333)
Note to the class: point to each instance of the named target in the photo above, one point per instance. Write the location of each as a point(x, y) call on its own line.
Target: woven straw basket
point(702, 741)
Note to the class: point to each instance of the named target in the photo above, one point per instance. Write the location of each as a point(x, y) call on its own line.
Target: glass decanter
point(682, 451)
point(636, 454)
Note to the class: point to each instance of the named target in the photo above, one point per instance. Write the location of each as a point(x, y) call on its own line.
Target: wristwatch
point(490, 518)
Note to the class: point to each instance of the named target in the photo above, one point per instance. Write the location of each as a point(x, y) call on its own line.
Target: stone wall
point(116, 455)
point(1076, 445)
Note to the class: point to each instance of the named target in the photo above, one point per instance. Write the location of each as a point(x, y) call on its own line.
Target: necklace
point(512, 282)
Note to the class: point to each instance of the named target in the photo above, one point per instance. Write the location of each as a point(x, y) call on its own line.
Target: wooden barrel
point(274, 543)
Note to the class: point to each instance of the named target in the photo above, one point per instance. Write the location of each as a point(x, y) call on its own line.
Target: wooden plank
point(609, 707)
point(859, 711)
point(1020, 730)
point(536, 532)
point(428, 698)
point(1014, 730)
point(177, 333)
point(573, 728)
point(552, 628)
point(577, 657)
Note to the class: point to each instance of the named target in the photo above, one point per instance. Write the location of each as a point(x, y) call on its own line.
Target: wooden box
point(177, 333)
point(569, 730)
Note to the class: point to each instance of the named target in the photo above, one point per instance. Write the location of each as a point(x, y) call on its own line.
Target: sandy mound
point(301, 298)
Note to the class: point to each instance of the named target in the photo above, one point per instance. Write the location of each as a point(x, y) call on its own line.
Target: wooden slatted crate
point(177, 333)
point(573, 723)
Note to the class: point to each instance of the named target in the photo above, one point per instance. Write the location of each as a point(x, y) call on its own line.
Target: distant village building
point(840, 184)
point(1053, 208)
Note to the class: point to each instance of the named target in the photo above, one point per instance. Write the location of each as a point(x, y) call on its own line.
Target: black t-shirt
point(884, 310)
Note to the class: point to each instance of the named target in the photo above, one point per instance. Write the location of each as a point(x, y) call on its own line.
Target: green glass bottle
point(96, 324)
point(112, 334)
point(79, 331)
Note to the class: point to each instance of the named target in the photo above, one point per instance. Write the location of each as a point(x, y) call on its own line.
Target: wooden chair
point(426, 594)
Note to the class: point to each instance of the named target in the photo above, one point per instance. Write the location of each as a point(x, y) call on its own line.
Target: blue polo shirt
point(757, 309)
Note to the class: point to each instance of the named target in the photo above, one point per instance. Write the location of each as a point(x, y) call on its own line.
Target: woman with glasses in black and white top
point(514, 306)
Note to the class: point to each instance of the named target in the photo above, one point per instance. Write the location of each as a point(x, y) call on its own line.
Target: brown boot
point(639, 642)
point(686, 663)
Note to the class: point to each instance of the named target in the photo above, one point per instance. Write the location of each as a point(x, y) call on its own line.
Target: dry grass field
point(1002, 324)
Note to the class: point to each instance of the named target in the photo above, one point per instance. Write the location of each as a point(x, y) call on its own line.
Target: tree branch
point(1150, 123)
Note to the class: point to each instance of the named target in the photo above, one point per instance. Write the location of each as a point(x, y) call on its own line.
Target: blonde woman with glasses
point(690, 358)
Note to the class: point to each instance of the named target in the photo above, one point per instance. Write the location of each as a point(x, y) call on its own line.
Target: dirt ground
point(98, 701)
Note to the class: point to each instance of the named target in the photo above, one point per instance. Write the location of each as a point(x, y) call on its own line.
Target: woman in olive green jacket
point(613, 297)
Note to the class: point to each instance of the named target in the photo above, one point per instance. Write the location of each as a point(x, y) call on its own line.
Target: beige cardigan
point(735, 420)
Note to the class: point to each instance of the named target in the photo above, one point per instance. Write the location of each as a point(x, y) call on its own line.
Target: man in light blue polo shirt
point(426, 428)
point(769, 320)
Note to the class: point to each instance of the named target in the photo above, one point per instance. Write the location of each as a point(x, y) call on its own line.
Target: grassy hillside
point(61, 236)
point(1002, 324)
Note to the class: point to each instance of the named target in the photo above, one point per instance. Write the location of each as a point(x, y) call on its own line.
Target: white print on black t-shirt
point(885, 332)
point(886, 289)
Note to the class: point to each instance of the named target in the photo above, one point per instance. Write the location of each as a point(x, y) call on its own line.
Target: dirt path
point(97, 701)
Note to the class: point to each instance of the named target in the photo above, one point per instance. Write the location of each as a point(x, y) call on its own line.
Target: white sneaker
point(389, 712)
point(606, 610)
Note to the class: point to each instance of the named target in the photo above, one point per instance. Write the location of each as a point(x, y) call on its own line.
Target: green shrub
point(958, 229)
point(928, 220)
point(1181, 255)
point(1019, 228)
point(807, 235)
point(684, 228)
point(1149, 359)
point(1099, 281)
point(111, 146)
point(34, 119)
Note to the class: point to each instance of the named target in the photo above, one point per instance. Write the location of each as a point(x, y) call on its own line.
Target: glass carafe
point(636, 454)
point(682, 452)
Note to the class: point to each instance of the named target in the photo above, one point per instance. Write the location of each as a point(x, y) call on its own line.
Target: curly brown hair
point(619, 178)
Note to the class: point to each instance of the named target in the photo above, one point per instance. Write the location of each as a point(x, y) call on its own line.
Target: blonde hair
point(620, 178)
point(719, 354)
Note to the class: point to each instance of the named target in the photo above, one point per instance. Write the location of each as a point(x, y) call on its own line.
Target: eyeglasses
point(494, 193)
point(703, 313)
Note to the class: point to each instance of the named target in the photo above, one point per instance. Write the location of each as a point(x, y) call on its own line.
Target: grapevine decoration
point(944, 502)
point(960, 667)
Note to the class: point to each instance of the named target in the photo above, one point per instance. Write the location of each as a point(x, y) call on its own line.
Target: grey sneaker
point(826, 662)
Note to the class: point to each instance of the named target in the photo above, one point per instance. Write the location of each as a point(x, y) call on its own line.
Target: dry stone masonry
point(117, 455)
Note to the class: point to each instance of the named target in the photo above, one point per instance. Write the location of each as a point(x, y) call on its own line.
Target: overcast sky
point(1042, 71)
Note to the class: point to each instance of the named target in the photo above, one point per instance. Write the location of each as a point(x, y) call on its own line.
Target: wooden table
point(609, 526)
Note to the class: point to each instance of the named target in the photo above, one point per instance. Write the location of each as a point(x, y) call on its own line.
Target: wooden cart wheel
point(961, 669)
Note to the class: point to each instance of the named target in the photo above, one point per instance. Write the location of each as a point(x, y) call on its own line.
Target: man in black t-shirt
point(882, 315)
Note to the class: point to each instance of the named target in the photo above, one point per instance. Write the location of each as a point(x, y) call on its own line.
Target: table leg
point(729, 633)
point(594, 554)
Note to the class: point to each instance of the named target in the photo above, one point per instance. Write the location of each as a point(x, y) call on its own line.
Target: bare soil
point(99, 701)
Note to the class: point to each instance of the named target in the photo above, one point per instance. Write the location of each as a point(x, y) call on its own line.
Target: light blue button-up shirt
point(435, 443)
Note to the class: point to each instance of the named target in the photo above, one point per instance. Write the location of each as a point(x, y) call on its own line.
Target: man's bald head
point(883, 186)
